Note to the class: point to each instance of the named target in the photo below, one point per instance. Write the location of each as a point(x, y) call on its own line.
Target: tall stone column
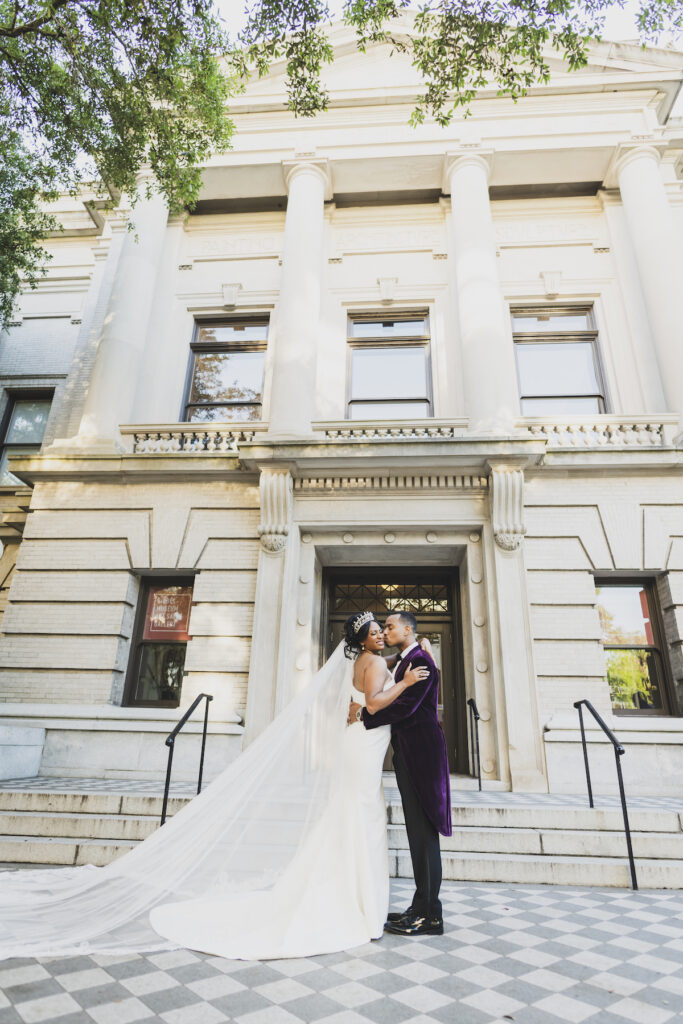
point(275, 493)
point(117, 364)
point(489, 379)
point(659, 255)
point(297, 335)
point(525, 745)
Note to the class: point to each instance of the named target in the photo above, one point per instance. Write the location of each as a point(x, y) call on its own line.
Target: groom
point(421, 764)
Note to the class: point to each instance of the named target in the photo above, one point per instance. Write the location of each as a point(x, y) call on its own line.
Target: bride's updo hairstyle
point(356, 629)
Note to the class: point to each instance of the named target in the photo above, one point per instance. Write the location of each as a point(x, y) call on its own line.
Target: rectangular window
point(632, 639)
point(157, 661)
point(226, 371)
point(389, 375)
point(23, 430)
point(558, 367)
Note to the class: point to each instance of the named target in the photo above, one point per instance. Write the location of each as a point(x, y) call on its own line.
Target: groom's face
point(395, 631)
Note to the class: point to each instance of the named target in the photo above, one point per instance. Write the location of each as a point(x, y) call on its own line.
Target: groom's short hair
point(407, 618)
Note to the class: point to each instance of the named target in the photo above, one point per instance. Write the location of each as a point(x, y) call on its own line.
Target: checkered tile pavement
point(530, 954)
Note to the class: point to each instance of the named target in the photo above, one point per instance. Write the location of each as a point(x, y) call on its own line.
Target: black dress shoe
point(414, 924)
point(398, 915)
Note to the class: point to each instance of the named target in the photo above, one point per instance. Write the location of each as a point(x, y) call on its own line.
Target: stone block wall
point(70, 618)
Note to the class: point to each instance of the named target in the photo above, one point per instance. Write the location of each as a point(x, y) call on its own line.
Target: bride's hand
point(416, 675)
point(426, 645)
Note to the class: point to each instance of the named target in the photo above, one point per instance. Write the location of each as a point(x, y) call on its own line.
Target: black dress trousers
point(423, 839)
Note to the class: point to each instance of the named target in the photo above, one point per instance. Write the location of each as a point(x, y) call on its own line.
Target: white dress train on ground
point(284, 854)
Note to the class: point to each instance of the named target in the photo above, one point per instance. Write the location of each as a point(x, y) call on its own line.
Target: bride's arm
point(376, 697)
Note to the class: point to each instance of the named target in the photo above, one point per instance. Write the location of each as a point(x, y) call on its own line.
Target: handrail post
point(585, 757)
point(474, 737)
point(201, 756)
point(169, 743)
point(618, 753)
point(627, 829)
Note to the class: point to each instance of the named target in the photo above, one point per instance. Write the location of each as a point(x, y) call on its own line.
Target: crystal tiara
point(361, 620)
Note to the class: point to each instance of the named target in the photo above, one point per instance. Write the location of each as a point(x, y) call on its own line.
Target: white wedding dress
point(283, 855)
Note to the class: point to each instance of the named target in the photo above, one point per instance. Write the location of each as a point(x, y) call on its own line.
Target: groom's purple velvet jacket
point(415, 730)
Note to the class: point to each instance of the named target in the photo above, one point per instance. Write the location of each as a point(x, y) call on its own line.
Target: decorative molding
point(551, 282)
point(230, 293)
point(469, 153)
point(307, 163)
point(387, 289)
point(275, 490)
point(507, 505)
point(174, 440)
point(608, 433)
point(382, 238)
point(388, 484)
point(435, 430)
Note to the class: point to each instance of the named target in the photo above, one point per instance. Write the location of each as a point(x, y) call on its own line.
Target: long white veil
point(240, 834)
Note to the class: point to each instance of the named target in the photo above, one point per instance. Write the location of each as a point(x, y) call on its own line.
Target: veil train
point(239, 835)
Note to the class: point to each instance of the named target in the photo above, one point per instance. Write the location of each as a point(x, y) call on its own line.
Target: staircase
point(497, 836)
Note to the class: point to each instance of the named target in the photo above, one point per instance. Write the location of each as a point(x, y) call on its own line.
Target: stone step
point(62, 825)
point(552, 817)
point(61, 851)
point(88, 803)
point(523, 869)
point(552, 842)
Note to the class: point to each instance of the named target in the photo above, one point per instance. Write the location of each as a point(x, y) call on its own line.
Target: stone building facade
point(378, 366)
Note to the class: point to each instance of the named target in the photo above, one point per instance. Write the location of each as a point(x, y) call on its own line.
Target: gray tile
point(169, 999)
point(32, 990)
point(313, 1007)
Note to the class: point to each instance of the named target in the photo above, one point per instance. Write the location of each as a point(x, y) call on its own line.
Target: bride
point(284, 854)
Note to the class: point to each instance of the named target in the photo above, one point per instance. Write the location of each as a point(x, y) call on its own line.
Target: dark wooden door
point(432, 597)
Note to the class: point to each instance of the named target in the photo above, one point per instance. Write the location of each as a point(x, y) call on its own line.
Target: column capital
point(466, 156)
point(636, 148)
point(301, 164)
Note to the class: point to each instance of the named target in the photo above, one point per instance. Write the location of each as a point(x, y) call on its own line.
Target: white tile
point(615, 983)
point(637, 945)
point(475, 954)
point(640, 1013)
point(522, 939)
point(596, 960)
point(656, 963)
point(423, 999)
point(291, 968)
point(268, 1015)
point(495, 1003)
point(566, 1008)
point(216, 987)
point(173, 958)
point(356, 969)
point(197, 1013)
point(534, 957)
point(79, 980)
point(674, 985)
point(123, 1011)
point(47, 1008)
point(352, 994)
point(344, 1017)
point(22, 975)
point(483, 976)
point(548, 979)
point(283, 991)
point(145, 984)
point(419, 973)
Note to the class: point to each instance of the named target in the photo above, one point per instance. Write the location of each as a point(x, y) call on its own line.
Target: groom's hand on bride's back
point(353, 712)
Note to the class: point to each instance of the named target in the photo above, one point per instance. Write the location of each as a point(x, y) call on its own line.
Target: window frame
point(399, 341)
point(659, 648)
point(197, 346)
point(556, 337)
point(137, 642)
point(14, 395)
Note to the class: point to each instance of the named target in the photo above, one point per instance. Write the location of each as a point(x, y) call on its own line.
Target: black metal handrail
point(474, 739)
point(618, 753)
point(170, 743)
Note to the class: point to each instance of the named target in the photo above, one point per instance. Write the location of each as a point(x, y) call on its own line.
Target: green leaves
point(97, 89)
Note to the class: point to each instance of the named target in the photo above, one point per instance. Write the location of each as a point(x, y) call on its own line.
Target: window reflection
point(633, 660)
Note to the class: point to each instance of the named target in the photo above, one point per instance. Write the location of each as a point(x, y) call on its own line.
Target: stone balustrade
point(172, 439)
point(602, 431)
point(391, 430)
